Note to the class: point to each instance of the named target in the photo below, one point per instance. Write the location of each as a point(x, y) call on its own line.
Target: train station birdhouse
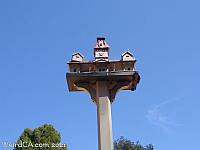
point(102, 78)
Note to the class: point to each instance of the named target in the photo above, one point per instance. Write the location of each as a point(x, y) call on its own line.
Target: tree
point(125, 144)
point(45, 137)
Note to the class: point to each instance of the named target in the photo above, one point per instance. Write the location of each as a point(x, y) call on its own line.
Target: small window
point(127, 55)
point(129, 68)
point(75, 70)
point(102, 69)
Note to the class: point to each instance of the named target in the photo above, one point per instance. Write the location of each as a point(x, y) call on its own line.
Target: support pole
point(105, 139)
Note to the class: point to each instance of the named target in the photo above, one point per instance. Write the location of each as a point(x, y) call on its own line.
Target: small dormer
point(127, 56)
point(77, 57)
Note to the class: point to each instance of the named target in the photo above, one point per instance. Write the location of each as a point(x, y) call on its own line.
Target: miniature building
point(101, 65)
point(127, 58)
point(77, 57)
point(102, 62)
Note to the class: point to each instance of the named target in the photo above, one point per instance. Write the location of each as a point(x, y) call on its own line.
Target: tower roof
point(101, 43)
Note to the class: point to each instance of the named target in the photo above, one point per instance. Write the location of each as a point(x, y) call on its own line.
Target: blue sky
point(37, 38)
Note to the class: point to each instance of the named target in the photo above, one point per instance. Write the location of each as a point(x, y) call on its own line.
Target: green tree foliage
point(43, 138)
point(125, 144)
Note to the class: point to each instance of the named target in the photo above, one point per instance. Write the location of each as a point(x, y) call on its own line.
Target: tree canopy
point(45, 137)
point(125, 144)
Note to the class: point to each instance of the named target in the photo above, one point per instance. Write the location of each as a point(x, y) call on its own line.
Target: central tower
point(101, 50)
point(102, 79)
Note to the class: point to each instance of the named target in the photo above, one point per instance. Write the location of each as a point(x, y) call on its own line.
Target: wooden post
point(105, 139)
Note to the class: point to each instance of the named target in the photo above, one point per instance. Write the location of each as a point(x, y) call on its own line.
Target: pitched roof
point(127, 52)
point(77, 53)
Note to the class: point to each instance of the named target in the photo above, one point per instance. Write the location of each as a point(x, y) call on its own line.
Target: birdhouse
point(77, 57)
point(128, 61)
point(102, 79)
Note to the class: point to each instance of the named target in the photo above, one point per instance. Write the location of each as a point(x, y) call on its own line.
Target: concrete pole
point(105, 138)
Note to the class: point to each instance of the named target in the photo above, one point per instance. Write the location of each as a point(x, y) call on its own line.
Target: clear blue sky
point(37, 38)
